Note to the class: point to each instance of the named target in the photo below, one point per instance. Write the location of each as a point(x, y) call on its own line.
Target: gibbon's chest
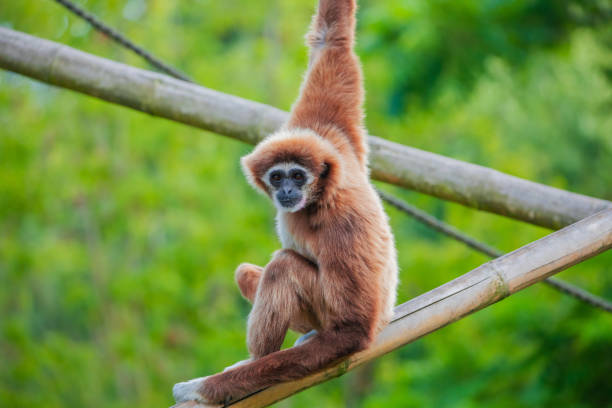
point(287, 236)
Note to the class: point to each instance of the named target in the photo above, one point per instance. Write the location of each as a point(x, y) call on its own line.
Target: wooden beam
point(483, 286)
point(163, 96)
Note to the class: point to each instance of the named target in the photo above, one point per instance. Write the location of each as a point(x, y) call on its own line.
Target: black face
point(288, 186)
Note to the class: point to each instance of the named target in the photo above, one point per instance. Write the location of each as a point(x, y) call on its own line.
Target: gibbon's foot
point(304, 338)
point(189, 391)
point(238, 364)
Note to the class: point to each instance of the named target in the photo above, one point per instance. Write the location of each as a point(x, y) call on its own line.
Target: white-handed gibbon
point(336, 275)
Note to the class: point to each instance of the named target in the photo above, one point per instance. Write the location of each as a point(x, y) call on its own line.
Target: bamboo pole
point(483, 286)
point(163, 96)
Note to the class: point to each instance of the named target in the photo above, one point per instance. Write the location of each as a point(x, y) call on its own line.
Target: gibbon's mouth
point(288, 202)
point(292, 204)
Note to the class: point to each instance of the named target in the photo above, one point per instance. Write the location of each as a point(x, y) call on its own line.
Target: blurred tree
point(434, 44)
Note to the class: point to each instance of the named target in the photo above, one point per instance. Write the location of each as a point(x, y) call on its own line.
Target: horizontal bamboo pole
point(160, 95)
point(483, 286)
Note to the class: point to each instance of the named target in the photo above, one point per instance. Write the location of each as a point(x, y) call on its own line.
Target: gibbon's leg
point(289, 364)
point(247, 278)
point(332, 92)
point(282, 300)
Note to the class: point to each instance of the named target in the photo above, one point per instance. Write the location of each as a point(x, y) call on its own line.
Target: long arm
point(332, 92)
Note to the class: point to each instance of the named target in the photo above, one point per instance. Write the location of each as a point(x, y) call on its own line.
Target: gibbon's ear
point(325, 171)
point(330, 177)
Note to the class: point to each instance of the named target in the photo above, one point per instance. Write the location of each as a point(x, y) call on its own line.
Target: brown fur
point(338, 272)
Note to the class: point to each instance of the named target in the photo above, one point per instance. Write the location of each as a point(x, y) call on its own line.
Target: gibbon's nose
point(287, 191)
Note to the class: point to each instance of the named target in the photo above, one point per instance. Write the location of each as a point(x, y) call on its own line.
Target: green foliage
point(119, 232)
point(432, 45)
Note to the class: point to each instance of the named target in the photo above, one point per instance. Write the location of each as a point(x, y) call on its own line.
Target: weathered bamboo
point(248, 121)
point(462, 296)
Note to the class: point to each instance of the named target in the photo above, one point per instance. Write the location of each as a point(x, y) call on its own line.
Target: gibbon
point(336, 275)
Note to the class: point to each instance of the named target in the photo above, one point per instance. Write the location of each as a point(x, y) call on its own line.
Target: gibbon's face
point(289, 185)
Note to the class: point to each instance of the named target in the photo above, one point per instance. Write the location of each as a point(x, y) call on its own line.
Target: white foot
point(238, 364)
point(188, 391)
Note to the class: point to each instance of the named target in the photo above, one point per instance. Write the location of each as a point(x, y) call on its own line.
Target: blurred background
point(120, 232)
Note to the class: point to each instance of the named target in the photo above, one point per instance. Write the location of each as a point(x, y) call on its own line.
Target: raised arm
point(332, 92)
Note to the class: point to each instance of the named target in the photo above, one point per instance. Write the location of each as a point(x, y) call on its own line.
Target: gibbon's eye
point(276, 177)
point(298, 176)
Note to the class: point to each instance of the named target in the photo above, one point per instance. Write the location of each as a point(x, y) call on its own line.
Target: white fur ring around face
point(188, 391)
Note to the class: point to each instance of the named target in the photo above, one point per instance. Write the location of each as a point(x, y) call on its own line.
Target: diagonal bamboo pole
point(160, 95)
point(457, 235)
point(483, 286)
